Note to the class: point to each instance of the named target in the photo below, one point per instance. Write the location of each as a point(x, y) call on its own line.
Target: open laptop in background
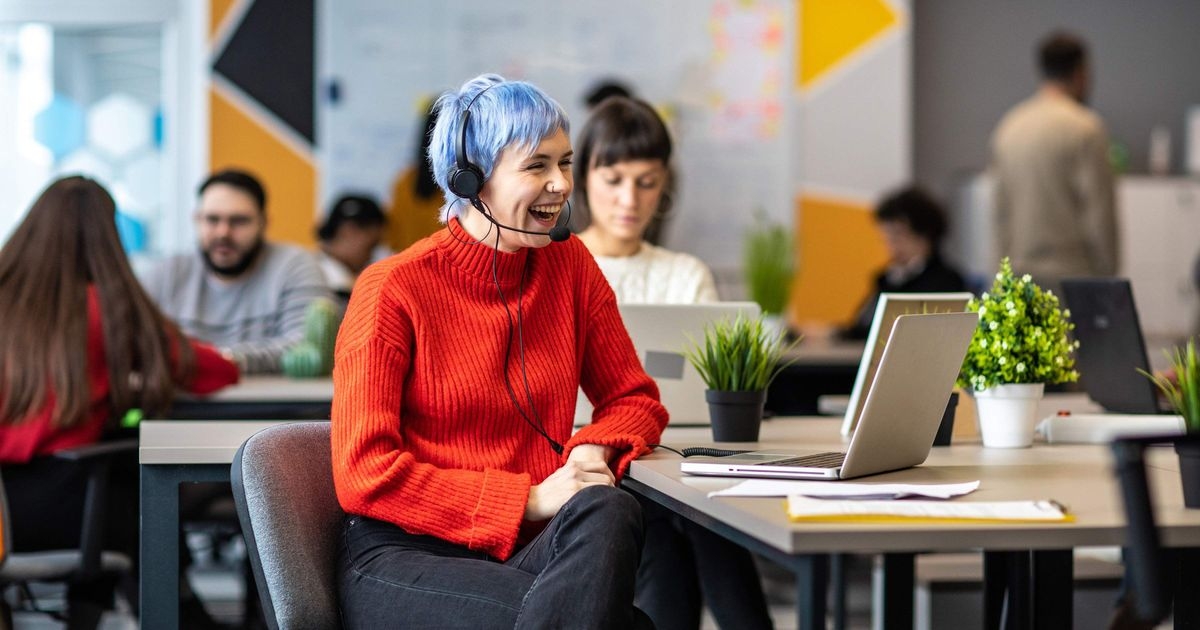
point(887, 309)
point(1111, 347)
point(901, 414)
point(660, 334)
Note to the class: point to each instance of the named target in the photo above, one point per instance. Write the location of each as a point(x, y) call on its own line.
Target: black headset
point(466, 180)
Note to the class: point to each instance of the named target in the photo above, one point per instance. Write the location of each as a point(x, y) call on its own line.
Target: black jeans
point(684, 566)
point(578, 573)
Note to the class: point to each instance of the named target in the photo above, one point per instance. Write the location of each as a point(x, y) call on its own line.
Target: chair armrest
point(91, 452)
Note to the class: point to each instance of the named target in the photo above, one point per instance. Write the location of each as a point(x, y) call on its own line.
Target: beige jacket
point(1054, 208)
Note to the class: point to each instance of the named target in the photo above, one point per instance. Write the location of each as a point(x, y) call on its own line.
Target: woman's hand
point(546, 498)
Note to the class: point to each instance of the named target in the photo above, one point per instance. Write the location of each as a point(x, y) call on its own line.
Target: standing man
point(1055, 215)
point(240, 293)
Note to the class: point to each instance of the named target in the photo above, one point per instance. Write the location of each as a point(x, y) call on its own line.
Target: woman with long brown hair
point(81, 344)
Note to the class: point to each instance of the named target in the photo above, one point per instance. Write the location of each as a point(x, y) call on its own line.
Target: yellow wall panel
point(290, 178)
point(840, 253)
point(830, 30)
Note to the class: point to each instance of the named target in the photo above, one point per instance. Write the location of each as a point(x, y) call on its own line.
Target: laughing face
point(527, 190)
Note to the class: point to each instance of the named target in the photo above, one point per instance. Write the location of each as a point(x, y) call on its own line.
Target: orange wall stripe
point(290, 179)
point(218, 11)
point(840, 253)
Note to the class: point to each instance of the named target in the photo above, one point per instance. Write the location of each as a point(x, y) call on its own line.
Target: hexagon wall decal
point(118, 125)
point(60, 126)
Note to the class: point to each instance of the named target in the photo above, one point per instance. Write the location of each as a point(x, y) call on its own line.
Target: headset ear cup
point(466, 181)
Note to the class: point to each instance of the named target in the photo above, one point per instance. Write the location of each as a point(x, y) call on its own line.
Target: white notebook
point(802, 508)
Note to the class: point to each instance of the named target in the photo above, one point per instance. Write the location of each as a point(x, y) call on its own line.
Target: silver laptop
point(899, 419)
point(887, 309)
point(660, 334)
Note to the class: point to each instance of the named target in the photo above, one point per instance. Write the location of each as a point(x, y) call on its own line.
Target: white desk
point(261, 397)
point(175, 452)
point(1079, 476)
point(170, 453)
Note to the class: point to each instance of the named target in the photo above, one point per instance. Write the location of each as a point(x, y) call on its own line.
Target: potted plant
point(1021, 345)
point(1181, 387)
point(737, 360)
point(770, 265)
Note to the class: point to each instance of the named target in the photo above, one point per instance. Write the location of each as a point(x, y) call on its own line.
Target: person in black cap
point(348, 239)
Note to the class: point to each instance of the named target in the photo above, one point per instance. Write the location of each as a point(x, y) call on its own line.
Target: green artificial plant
point(770, 265)
point(313, 357)
point(1182, 391)
point(1021, 338)
point(739, 354)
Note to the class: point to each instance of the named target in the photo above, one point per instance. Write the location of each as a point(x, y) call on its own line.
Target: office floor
point(216, 577)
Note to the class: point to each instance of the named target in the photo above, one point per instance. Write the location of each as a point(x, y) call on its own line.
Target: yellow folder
point(804, 509)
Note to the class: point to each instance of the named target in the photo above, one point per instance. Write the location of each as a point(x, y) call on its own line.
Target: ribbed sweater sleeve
point(426, 434)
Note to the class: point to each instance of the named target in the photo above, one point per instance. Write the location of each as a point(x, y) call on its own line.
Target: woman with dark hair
point(622, 172)
point(81, 345)
point(623, 178)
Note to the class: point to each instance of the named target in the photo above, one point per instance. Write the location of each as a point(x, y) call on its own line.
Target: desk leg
point(837, 577)
point(995, 583)
point(1187, 605)
point(1018, 611)
point(812, 576)
point(1053, 578)
point(898, 589)
point(159, 577)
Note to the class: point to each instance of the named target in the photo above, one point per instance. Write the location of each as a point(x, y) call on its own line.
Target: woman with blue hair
point(469, 501)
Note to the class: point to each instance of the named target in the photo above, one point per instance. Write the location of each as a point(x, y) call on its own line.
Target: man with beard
point(240, 293)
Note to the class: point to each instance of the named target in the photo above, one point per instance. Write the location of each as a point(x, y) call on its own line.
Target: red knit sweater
point(424, 432)
point(37, 435)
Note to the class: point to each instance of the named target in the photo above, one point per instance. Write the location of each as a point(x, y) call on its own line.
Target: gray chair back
point(283, 487)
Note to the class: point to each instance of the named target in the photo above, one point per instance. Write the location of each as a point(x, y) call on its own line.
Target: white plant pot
point(1007, 414)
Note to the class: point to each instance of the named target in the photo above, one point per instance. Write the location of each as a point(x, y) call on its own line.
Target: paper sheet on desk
point(842, 490)
point(815, 510)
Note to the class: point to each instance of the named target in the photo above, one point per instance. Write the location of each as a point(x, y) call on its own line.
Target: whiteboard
point(720, 69)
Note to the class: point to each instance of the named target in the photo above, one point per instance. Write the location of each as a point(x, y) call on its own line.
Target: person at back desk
point(241, 293)
point(623, 171)
point(347, 240)
point(912, 224)
point(81, 345)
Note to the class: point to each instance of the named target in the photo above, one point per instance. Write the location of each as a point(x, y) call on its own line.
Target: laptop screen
point(1111, 349)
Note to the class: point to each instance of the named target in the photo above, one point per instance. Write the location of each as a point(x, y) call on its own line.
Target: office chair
point(1147, 568)
point(291, 520)
point(68, 566)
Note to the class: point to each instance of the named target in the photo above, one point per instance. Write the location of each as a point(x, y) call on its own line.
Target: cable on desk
point(692, 451)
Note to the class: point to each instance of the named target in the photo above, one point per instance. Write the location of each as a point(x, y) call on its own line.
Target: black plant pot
point(735, 416)
point(946, 428)
point(1189, 473)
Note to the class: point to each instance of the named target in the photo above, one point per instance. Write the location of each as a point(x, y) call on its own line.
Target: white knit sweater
point(658, 276)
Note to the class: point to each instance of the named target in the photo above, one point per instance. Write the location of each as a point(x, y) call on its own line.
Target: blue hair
point(503, 114)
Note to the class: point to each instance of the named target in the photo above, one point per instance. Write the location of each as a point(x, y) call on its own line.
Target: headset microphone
point(558, 233)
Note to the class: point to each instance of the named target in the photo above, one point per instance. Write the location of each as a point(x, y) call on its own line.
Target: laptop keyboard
point(816, 460)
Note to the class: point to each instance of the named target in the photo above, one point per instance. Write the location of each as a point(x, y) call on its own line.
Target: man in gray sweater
point(240, 293)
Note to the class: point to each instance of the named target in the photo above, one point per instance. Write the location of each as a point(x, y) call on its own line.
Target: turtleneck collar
point(462, 250)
